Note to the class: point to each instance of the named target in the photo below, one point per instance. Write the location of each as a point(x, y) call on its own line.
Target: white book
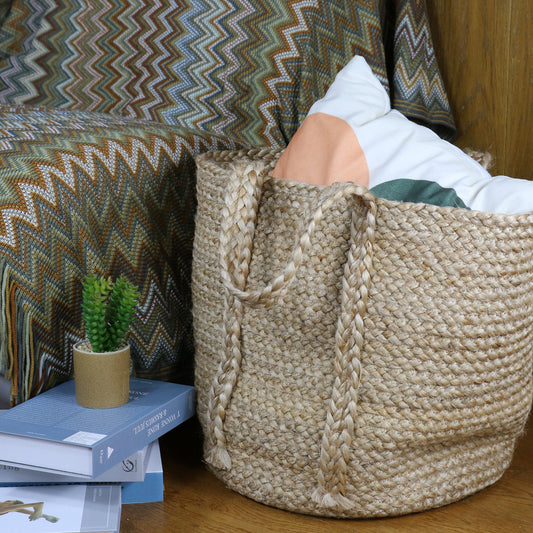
point(61, 508)
point(131, 469)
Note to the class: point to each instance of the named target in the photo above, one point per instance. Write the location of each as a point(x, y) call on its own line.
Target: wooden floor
point(196, 501)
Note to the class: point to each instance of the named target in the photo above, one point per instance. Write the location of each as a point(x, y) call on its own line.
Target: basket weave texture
point(355, 357)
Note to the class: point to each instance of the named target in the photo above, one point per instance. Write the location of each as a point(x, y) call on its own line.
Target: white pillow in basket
point(353, 135)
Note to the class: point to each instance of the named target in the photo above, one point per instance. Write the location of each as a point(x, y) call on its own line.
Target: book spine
point(141, 433)
point(148, 491)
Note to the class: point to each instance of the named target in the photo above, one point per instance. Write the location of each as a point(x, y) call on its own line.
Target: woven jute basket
point(355, 357)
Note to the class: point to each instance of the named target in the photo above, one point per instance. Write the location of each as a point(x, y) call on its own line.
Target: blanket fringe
point(16, 345)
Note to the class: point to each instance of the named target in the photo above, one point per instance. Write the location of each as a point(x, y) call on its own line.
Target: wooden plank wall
point(485, 54)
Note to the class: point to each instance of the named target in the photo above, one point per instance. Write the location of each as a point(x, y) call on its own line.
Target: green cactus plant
point(107, 311)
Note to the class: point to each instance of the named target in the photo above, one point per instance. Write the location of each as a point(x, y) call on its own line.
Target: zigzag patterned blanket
point(247, 69)
point(82, 190)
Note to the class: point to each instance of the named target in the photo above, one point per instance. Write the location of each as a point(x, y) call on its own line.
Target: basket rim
point(272, 154)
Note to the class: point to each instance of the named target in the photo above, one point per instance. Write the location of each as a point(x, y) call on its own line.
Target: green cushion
point(418, 191)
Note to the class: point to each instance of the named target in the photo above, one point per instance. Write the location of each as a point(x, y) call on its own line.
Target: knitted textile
point(247, 69)
point(85, 193)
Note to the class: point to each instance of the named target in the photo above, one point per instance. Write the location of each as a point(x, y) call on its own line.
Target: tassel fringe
point(327, 500)
point(219, 458)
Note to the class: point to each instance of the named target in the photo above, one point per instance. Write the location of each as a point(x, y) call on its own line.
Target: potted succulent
point(102, 361)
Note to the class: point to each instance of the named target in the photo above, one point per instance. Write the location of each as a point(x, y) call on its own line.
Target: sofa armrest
point(81, 193)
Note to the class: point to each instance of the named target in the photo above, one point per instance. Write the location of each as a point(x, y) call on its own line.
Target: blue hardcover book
point(151, 489)
point(51, 431)
point(146, 490)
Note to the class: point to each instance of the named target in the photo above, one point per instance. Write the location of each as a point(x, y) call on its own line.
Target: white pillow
point(353, 135)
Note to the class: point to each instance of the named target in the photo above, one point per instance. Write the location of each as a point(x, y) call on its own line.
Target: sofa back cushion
point(246, 69)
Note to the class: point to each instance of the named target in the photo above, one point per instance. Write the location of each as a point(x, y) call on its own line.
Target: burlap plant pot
point(102, 379)
point(356, 357)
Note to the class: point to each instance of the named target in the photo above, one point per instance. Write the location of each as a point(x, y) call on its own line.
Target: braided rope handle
point(239, 218)
point(339, 432)
point(236, 239)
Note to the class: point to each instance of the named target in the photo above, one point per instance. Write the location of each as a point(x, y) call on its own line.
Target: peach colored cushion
point(353, 135)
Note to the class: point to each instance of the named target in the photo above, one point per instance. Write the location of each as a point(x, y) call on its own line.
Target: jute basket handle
point(239, 218)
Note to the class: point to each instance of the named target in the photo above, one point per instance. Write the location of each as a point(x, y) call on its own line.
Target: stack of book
point(69, 468)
